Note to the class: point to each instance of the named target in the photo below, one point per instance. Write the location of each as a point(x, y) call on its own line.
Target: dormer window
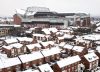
point(89, 58)
point(94, 56)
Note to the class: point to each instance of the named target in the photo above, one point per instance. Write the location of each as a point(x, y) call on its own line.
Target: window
point(0, 69)
point(72, 68)
point(12, 51)
point(8, 68)
point(46, 70)
point(18, 50)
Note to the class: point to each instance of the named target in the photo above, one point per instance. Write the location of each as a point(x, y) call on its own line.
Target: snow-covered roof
point(47, 43)
point(97, 42)
point(11, 62)
point(25, 39)
point(68, 46)
point(78, 48)
point(98, 49)
point(68, 61)
point(1, 64)
point(30, 13)
point(15, 45)
point(98, 24)
point(32, 29)
point(91, 57)
point(31, 70)
point(60, 38)
point(92, 37)
point(39, 35)
point(54, 30)
point(30, 57)
point(68, 36)
point(79, 39)
point(51, 51)
point(37, 9)
point(20, 11)
point(13, 40)
point(45, 68)
point(62, 44)
point(31, 46)
point(66, 31)
point(7, 47)
point(9, 25)
point(46, 31)
point(28, 31)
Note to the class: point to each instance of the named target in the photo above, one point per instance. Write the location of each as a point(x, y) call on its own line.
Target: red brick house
point(11, 64)
point(82, 42)
point(69, 64)
point(10, 41)
point(14, 50)
point(33, 47)
point(17, 19)
point(79, 50)
point(68, 48)
point(51, 54)
point(47, 44)
point(25, 40)
point(31, 60)
point(90, 61)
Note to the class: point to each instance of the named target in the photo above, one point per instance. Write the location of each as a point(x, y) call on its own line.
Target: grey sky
point(87, 6)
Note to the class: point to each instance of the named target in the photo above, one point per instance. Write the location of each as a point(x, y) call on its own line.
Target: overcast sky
point(87, 6)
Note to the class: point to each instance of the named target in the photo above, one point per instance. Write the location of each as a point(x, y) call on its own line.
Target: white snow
point(31, 70)
point(39, 35)
point(31, 57)
point(92, 37)
point(60, 38)
point(68, 46)
point(25, 39)
point(11, 62)
point(45, 68)
point(78, 48)
point(20, 11)
point(54, 30)
point(1, 64)
point(67, 61)
point(13, 40)
point(31, 46)
point(52, 51)
point(62, 44)
point(68, 36)
point(46, 31)
point(91, 57)
point(47, 43)
point(15, 45)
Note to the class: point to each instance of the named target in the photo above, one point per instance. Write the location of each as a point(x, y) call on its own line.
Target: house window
point(63, 69)
point(18, 50)
point(73, 69)
point(25, 49)
point(8, 69)
point(57, 56)
point(40, 61)
point(0, 70)
point(12, 51)
point(69, 70)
